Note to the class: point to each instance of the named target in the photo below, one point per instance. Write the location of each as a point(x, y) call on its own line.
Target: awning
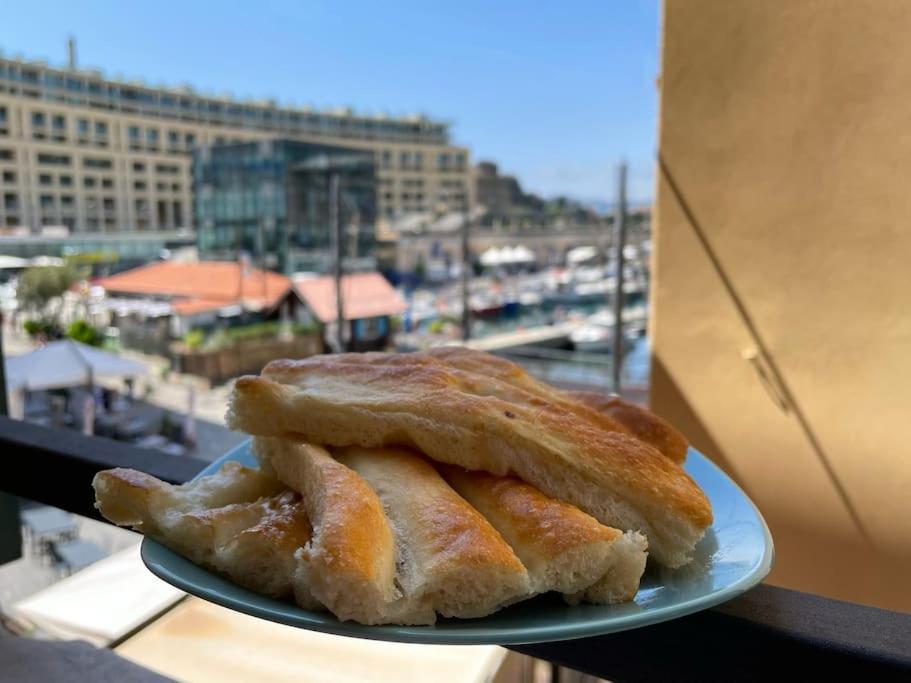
point(66, 363)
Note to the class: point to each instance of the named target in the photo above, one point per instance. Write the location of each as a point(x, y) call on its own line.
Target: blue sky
point(556, 92)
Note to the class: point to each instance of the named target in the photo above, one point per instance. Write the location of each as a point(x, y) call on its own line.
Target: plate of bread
point(445, 496)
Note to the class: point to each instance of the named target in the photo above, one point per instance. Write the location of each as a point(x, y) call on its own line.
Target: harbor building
point(91, 154)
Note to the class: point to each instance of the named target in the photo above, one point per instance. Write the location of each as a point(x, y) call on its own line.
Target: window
point(82, 126)
point(173, 138)
point(45, 179)
point(66, 201)
point(142, 206)
point(152, 136)
point(175, 187)
point(108, 204)
point(418, 160)
point(190, 139)
point(47, 201)
point(405, 159)
point(443, 161)
point(101, 129)
point(107, 183)
point(9, 177)
point(54, 159)
point(89, 181)
point(37, 119)
point(178, 213)
point(139, 185)
point(133, 133)
point(58, 122)
point(161, 187)
point(139, 167)
point(167, 168)
point(7, 155)
point(10, 201)
point(3, 115)
point(162, 212)
point(95, 162)
point(66, 181)
point(460, 160)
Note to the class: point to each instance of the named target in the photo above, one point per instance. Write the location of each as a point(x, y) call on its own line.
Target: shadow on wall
point(806, 558)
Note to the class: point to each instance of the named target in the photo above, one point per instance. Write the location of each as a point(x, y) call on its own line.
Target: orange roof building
point(364, 295)
point(197, 294)
point(193, 288)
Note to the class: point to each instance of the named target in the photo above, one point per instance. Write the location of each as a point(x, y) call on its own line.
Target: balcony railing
point(768, 633)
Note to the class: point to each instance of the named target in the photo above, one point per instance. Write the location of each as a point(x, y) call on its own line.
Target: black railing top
point(768, 633)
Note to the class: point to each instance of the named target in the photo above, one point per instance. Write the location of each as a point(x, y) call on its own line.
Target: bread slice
point(450, 559)
point(563, 548)
point(237, 522)
point(641, 423)
point(349, 565)
point(622, 574)
point(480, 423)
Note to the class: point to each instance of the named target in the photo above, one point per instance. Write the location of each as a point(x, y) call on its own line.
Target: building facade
point(270, 200)
point(99, 156)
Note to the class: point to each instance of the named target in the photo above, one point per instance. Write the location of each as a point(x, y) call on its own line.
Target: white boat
point(592, 338)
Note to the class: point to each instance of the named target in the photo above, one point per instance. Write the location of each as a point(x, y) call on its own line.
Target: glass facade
point(270, 200)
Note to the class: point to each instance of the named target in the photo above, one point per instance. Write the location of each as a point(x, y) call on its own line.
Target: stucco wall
point(786, 129)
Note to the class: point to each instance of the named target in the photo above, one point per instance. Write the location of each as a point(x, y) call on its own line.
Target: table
point(44, 524)
point(76, 555)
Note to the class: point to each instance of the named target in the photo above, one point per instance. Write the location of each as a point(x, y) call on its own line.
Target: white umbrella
point(66, 363)
point(492, 257)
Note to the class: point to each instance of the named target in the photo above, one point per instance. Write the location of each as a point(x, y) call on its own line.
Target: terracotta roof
point(364, 295)
point(195, 287)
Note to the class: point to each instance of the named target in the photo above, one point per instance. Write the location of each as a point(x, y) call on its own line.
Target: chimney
point(71, 53)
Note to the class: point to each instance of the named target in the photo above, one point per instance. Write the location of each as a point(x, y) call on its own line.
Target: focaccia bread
point(563, 548)
point(641, 423)
point(478, 422)
point(237, 522)
point(349, 564)
point(450, 559)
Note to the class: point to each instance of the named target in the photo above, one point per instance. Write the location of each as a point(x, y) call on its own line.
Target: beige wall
point(786, 127)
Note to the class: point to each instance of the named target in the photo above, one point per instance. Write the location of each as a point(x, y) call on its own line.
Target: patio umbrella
point(66, 363)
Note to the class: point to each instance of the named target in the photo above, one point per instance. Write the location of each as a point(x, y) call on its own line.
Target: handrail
point(768, 633)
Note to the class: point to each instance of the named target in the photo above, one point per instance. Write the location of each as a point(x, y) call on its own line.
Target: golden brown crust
point(478, 422)
point(553, 526)
point(642, 423)
point(447, 550)
point(350, 564)
point(562, 548)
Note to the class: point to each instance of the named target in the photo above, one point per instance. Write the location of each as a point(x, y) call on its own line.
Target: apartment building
point(102, 156)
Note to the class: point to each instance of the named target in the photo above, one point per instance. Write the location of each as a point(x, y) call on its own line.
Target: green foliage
point(229, 336)
point(436, 326)
point(81, 331)
point(92, 258)
point(194, 338)
point(48, 328)
point(38, 285)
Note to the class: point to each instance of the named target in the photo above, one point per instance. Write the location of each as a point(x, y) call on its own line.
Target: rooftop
point(364, 295)
point(91, 87)
point(202, 286)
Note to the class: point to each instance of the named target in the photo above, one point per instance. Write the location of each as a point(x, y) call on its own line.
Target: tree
point(38, 285)
point(81, 331)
